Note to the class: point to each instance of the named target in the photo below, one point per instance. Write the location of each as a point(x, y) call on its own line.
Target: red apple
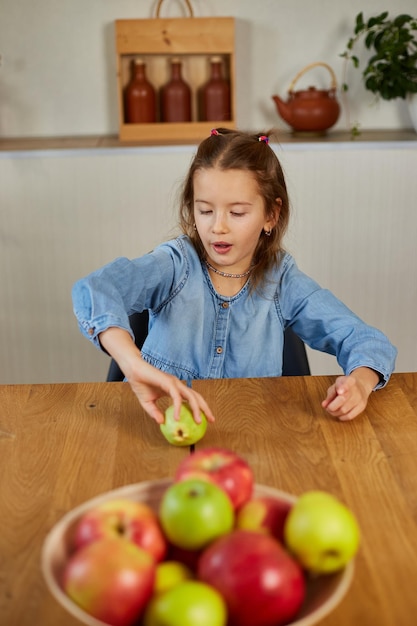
point(261, 584)
point(135, 521)
point(264, 514)
point(222, 467)
point(111, 579)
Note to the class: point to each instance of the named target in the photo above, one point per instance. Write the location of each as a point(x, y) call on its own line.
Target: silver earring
point(267, 232)
point(194, 226)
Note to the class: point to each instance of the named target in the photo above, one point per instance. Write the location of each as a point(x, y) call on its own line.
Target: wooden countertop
point(61, 444)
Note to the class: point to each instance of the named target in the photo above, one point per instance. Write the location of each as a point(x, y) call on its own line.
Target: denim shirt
point(195, 333)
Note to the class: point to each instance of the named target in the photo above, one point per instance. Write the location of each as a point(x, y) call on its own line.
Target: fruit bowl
point(324, 593)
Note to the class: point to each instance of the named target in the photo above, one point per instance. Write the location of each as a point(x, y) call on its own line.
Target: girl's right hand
point(147, 382)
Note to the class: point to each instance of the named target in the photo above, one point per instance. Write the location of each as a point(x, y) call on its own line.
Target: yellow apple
point(321, 532)
point(169, 574)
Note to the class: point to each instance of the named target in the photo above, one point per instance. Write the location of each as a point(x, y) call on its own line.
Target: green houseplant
point(391, 70)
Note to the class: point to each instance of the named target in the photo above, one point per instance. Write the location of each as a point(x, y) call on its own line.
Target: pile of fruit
point(212, 554)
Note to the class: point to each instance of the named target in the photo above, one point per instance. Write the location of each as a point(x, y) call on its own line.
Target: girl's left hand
point(348, 396)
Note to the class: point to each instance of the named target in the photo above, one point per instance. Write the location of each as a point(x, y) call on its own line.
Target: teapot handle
point(333, 86)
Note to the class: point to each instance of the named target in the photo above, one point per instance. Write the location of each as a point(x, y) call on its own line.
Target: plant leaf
point(369, 40)
point(360, 24)
point(379, 19)
point(400, 20)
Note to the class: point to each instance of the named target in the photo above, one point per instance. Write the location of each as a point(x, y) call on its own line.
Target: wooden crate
point(194, 41)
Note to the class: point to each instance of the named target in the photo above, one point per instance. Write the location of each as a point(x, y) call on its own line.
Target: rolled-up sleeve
point(99, 301)
point(105, 298)
point(326, 324)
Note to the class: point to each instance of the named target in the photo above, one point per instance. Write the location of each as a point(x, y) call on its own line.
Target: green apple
point(190, 603)
point(193, 512)
point(185, 431)
point(169, 574)
point(321, 532)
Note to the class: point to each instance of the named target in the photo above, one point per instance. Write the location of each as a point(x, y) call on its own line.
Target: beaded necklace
point(226, 275)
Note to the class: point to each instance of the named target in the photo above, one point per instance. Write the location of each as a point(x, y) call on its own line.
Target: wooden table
point(62, 444)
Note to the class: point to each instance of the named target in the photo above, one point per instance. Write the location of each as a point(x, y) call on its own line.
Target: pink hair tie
point(263, 138)
point(214, 131)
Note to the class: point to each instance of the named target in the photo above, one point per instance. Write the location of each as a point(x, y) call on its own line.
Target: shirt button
point(225, 305)
point(219, 350)
point(91, 331)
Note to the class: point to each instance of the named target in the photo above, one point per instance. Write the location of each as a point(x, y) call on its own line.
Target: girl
point(222, 293)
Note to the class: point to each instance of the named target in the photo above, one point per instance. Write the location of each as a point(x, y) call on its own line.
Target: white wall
point(58, 71)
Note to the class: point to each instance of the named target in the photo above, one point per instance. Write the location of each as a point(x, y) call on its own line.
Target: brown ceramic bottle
point(176, 96)
point(215, 94)
point(140, 96)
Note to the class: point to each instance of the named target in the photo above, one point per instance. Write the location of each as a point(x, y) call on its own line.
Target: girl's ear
point(272, 221)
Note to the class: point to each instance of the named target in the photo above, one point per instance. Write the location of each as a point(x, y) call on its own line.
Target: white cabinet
point(66, 212)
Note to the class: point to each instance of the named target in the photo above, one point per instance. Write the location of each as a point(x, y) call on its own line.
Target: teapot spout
point(283, 109)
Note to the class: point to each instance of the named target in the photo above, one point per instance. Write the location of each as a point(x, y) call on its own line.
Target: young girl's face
point(229, 215)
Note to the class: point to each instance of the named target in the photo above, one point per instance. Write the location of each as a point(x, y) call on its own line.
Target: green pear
point(185, 431)
point(321, 532)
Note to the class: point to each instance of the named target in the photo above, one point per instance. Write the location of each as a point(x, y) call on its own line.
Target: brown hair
point(231, 149)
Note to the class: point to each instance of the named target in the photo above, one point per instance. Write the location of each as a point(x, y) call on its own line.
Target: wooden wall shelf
point(194, 40)
point(403, 138)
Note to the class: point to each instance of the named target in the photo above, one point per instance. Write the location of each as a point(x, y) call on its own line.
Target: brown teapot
point(310, 110)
